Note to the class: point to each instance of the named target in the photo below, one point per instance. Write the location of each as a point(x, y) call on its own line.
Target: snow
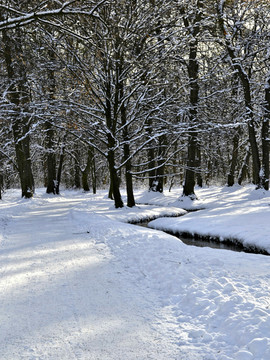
point(238, 214)
point(78, 282)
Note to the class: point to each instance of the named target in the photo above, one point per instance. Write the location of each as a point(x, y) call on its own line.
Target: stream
point(206, 242)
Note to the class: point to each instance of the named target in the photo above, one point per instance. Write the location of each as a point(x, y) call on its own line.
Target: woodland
point(112, 94)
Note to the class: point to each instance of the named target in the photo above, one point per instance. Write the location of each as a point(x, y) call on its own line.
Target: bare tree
point(240, 27)
point(19, 98)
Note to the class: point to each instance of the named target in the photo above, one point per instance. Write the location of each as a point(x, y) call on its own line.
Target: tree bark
point(193, 68)
point(128, 175)
point(93, 175)
point(251, 129)
point(245, 82)
point(161, 163)
point(234, 159)
point(77, 170)
point(152, 165)
point(1, 185)
point(244, 169)
point(198, 166)
point(111, 121)
point(126, 139)
point(60, 167)
point(86, 171)
point(114, 180)
point(115, 184)
point(51, 162)
point(265, 137)
point(193, 71)
point(19, 95)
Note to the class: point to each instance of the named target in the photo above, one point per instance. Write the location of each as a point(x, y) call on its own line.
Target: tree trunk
point(193, 68)
point(19, 95)
point(22, 149)
point(245, 82)
point(51, 162)
point(129, 185)
point(152, 171)
point(126, 138)
point(90, 167)
point(77, 172)
point(252, 139)
point(93, 175)
point(114, 180)
point(157, 167)
point(244, 169)
point(265, 137)
point(111, 122)
point(60, 167)
point(115, 184)
point(110, 193)
point(1, 185)
point(128, 175)
point(234, 159)
point(189, 184)
point(199, 172)
point(86, 171)
point(161, 163)
point(193, 72)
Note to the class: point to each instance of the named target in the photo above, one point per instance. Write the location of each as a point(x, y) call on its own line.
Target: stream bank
point(206, 241)
point(238, 214)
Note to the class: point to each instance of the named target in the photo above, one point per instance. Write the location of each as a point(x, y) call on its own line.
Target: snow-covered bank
point(76, 283)
point(238, 214)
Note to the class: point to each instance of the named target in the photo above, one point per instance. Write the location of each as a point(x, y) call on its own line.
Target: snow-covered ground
point(238, 213)
point(78, 282)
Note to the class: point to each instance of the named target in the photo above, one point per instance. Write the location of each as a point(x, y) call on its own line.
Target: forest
point(105, 104)
point(112, 94)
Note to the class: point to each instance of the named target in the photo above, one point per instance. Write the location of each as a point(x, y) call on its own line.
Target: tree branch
point(27, 18)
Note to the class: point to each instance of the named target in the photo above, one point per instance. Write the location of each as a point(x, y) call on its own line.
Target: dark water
point(212, 243)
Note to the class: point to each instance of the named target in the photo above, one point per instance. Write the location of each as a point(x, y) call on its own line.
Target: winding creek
point(215, 243)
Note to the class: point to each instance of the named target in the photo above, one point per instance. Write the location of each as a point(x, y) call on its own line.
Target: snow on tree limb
point(27, 18)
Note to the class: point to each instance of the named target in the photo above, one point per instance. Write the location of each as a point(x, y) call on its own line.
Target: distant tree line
point(116, 93)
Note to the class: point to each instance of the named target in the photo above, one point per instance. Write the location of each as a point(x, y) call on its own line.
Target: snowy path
point(77, 284)
point(62, 296)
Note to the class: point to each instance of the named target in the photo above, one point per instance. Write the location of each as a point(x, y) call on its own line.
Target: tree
point(89, 168)
point(55, 16)
point(120, 83)
point(192, 23)
point(240, 27)
point(120, 91)
point(265, 136)
point(18, 96)
point(16, 17)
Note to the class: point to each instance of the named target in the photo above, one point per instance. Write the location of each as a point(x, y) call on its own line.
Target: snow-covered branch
point(27, 18)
